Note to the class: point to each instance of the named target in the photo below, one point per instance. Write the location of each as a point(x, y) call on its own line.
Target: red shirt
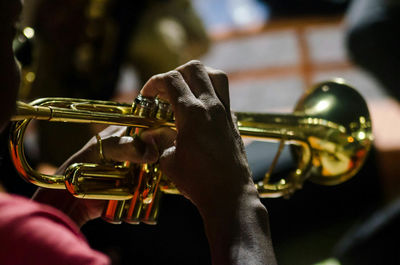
point(37, 234)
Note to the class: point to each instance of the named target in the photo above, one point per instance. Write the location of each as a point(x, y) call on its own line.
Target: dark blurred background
point(272, 50)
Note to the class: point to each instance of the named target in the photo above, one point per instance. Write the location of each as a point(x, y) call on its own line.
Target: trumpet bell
point(338, 153)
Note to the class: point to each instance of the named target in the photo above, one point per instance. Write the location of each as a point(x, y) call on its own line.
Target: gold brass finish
point(329, 132)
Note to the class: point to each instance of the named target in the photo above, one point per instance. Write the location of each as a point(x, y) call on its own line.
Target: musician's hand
point(116, 147)
point(208, 164)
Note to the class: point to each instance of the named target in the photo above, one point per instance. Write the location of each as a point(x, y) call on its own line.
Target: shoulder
point(41, 235)
point(19, 211)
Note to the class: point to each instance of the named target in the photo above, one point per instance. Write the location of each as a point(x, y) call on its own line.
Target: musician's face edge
point(9, 70)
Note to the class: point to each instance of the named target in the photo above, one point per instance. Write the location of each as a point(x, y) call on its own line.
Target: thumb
point(164, 139)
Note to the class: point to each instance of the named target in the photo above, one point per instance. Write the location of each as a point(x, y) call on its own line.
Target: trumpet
point(329, 133)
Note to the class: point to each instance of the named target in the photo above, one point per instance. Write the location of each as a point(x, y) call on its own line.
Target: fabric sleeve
point(31, 233)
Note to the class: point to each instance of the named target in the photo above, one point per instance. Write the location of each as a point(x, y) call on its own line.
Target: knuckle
point(165, 77)
point(216, 109)
point(173, 79)
point(221, 77)
point(156, 78)
point(191, 107)
point(196, 109)
point(183, 102)
point(193, 65)
point(173, 75)
point(219, 73)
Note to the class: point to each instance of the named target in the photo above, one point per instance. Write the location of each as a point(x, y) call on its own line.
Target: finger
point(163, 138)
point(127, 148)
point(169, 86)
point(145, 148)
point(165, 141)
point(219, 81)
point(196, 76)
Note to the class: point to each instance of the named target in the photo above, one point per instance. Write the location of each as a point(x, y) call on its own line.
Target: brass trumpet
point(329, 132)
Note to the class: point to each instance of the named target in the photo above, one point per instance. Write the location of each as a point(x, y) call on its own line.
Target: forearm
point(239, 233)
point(207, 163)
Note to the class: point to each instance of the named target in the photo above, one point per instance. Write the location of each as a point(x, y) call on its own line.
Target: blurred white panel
point(128, 80)
point(362, 81)
point(326, 44)
point(264, 50)
point(231, 14)
point(385, 115)
point(266, 95)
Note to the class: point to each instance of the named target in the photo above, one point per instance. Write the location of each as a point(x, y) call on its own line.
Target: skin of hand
point(200, 100)
point(208, 164)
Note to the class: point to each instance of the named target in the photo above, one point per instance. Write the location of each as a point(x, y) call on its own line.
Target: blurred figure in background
point(373, 42)
point(373, 27)
point(80, 48)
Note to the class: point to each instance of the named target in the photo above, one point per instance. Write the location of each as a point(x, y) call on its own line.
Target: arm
point(208, 164)
point(239, 234)
point(205, 159)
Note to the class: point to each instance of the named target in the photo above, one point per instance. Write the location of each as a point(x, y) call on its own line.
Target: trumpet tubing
point(330, 131)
